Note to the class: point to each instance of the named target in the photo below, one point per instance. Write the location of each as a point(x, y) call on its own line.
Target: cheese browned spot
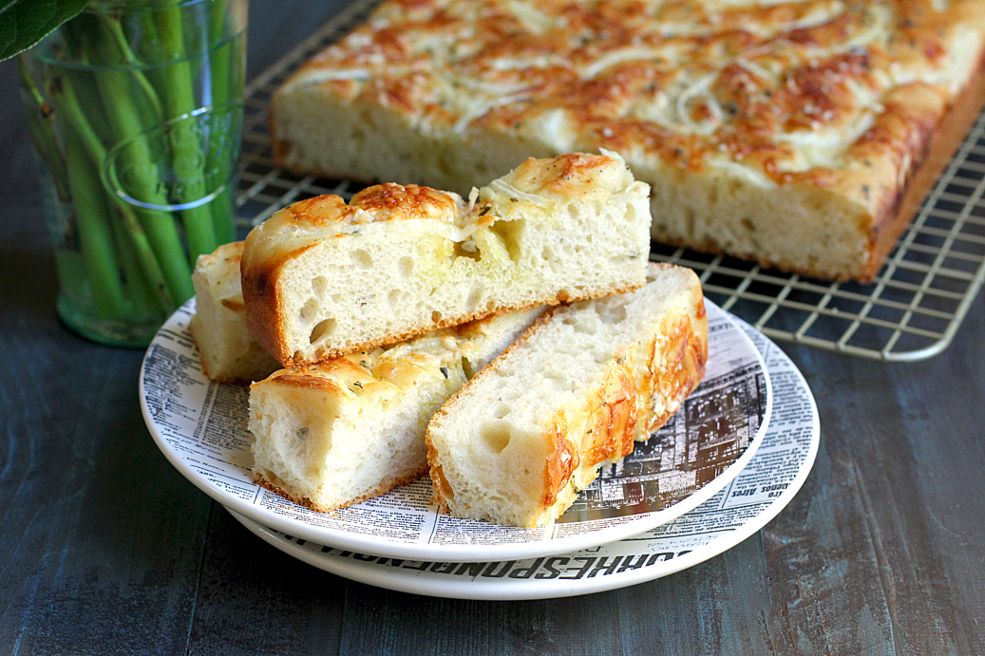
point(340, 431)
point(764, 95)
point(577, 391)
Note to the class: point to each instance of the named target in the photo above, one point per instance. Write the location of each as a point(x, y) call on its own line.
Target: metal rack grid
point(909, 312)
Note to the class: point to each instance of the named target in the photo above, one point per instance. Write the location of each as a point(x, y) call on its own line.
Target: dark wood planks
point(101, 539)
point(253, 599)
point(861, 561)
point(714, 608)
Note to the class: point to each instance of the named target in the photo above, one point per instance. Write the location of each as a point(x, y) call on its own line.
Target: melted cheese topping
point(387, 371)
point(769, 90)
point(390, 210)
point(221, 271)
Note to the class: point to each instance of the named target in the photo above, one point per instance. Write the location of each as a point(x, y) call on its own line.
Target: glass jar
point(135, 110)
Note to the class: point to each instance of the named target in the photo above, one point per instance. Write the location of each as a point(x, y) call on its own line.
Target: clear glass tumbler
point(136, 109)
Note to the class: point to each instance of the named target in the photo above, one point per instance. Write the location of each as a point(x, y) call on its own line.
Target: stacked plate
point(724, 465)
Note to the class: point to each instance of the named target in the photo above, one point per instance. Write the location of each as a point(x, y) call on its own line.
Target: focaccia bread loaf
point(228, 351)
point(323, 278)
point(336, 433)
point(799, 134)
point(522, 438)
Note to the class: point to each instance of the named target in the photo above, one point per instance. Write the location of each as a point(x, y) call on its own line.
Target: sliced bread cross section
point(322, 278)
point(228, 350)
point(523, 437)
point(350, 428)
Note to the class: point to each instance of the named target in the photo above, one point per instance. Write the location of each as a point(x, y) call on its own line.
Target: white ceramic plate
point(764, 487)
point(201, 427)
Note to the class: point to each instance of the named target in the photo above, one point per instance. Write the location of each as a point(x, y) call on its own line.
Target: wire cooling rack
point(909, 312)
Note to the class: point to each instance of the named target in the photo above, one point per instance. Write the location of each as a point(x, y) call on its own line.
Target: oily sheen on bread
point(322, 278)
point(799, 134)
point(336, 433)
point(519, 441)
point(229, 352)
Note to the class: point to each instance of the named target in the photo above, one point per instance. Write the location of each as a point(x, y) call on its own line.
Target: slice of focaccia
point(228, 351)
point(336, 433)
point(517, 444)
point(323, 278)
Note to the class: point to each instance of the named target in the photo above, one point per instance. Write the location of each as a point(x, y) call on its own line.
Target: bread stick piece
point(522, 438)
point(229, 352)
point(336, 433)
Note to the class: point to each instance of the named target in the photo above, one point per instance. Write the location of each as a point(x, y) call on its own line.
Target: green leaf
point(25, 22)
point(6, 4)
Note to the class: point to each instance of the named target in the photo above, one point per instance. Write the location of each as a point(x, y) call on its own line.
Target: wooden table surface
point(106, 549)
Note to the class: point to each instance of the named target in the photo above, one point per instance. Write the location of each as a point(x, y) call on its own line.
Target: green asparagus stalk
point(42, 129)
point(124, 118)
point(139, 289)
point(169, 275)
point(127, 56)
point(179, 100)
point(122, 214)
point(94, 232)
point(142, 252)
point(221, 67)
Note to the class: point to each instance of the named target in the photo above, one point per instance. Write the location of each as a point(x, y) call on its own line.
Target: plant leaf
point(6, 4)
point(25, 22)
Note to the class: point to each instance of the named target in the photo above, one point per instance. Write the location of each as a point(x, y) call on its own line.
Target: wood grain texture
point(253, 599)
point(902, 445)
point(106, 549)
point(101, 541)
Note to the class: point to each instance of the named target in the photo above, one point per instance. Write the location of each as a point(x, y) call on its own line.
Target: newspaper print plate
point(764, 487)
point(201, 427)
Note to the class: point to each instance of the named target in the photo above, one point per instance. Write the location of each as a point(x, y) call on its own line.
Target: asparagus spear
point(94, 231)
point(225, 71)
point(176, 90)
point(128, 57)
point(41, 127)
point(124, 118)
point(153, 234)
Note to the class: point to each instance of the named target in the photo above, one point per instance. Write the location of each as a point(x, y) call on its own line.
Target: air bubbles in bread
point(322, 330)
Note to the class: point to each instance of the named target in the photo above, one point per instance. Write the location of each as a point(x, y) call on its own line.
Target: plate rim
point(519, 590)
point(368, 544)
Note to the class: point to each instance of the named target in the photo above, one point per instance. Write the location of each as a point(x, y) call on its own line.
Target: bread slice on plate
point(522, 438)
point(336, 433)
point(229, 352)
point(323, 278)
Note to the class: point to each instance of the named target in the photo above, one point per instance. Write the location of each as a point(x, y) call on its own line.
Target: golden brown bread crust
point(263, 258)
point(261, 295)
point(434, 220)
point(617, 406)
point(227, 352)
point(943, 142)
point(692, 85)
point(619, 410)
point(381, 489)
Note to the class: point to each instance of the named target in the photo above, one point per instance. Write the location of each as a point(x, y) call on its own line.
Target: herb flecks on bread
point(575, 392)
point(786, 132)
point(323, 278)
point(335, 433)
